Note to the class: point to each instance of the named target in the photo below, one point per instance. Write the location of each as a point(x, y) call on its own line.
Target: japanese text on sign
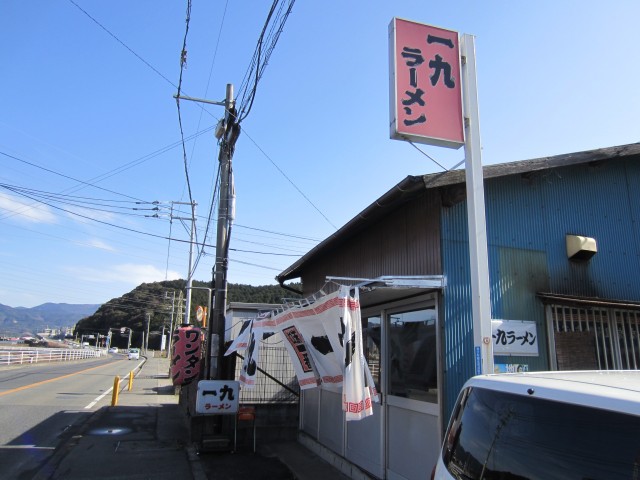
point(426, 94)
point(513, 337)
point(217, 397)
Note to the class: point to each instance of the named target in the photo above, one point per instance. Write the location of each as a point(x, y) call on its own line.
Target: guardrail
point(40, 355)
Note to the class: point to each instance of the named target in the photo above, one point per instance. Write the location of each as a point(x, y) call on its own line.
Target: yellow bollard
point(116, 391)
point(130, 379)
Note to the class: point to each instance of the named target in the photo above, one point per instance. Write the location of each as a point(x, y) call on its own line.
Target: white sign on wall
point(217, 397)
point(514, 337)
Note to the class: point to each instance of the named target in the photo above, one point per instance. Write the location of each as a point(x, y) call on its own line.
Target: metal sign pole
point(478, 252)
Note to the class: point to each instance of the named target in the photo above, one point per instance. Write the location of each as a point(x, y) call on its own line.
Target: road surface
point(42, 404)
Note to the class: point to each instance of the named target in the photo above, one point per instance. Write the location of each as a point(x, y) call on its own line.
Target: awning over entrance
point(389, 288)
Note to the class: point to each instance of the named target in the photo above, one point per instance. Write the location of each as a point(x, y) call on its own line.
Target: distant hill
point(156, 301)
point(15, 321)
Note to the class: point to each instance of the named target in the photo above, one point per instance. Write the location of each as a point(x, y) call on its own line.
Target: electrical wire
point(248, 96)
point(260, 60)
point(123, 44)
point(70, 201)
point(183, 62)
point(147, 233)
point(68, 177)
point(291, 181)
point(138, 201)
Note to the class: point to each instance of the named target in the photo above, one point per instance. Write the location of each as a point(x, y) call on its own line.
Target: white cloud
point(97, 243)
point(31, 212)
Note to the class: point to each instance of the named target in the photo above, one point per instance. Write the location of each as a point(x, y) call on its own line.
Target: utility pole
point(146, 339)
point(190, 271)
point(227, 146)
point(173, 303)
point(227, 133)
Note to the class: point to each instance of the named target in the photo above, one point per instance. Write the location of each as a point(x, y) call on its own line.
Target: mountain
point(22, 321)
point(157, 302)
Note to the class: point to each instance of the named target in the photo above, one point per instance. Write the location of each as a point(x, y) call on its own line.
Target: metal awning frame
point(391, 281)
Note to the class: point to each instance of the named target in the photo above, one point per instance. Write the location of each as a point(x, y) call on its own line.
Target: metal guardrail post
point(130, 380)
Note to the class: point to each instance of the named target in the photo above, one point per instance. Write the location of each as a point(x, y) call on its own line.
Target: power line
point(260, 60)
point(140, 201)
point(213, 61)
point(183, 62)
point(123, 44)
point(67, 176)
point(291, 182)
point(76, 201)
point(248, 96)
point(147, 233)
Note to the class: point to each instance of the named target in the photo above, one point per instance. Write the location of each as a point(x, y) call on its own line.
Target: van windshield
point(497, 435)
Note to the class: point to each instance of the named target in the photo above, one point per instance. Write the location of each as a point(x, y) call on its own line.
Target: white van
point(546, 426)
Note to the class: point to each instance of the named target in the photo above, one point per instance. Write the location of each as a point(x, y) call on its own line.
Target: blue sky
point(89, 125)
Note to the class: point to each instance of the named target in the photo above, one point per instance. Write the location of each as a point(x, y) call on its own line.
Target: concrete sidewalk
point(145, 437)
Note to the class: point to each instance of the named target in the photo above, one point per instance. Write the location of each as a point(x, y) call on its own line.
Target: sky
point(90, 137)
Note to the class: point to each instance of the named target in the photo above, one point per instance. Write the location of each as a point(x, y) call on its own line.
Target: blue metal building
point(564, 256)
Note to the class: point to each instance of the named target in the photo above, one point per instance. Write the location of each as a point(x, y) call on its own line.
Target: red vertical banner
point(186, 355)
point(425, 84)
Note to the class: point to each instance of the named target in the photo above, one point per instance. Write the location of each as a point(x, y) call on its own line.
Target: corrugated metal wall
point(528, 218)
point(405, 242)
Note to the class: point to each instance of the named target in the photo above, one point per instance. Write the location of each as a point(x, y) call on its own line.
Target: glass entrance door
point(412, 402)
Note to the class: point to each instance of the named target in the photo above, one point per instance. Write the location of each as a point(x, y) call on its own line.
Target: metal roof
point(412, 186)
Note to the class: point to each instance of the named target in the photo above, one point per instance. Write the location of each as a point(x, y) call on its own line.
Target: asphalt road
point(42, 404)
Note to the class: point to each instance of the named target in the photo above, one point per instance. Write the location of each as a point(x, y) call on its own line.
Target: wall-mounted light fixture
point(581, 248)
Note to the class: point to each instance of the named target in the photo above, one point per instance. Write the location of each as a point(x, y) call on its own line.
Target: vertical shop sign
point(425, 84)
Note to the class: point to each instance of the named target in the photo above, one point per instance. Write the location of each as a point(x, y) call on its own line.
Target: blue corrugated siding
point(599, 202)
point(527, 220)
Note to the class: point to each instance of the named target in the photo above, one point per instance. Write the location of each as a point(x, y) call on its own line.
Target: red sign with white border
point(425, 84)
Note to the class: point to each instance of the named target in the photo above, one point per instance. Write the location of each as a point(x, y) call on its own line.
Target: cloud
point(97, 243)
point(31, 212)
point(127, 273)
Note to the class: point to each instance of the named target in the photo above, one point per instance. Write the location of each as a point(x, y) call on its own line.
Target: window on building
point(413, 355)
point(596, 338)
point(371, 336)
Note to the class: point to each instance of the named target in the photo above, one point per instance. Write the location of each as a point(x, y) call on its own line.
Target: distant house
point(563, 238)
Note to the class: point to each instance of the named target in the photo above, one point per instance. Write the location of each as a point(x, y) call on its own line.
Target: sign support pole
point(478, 252)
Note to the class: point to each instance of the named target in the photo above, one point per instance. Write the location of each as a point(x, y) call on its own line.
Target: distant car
point(113, 350)
point(134, 354)
point(544, 425)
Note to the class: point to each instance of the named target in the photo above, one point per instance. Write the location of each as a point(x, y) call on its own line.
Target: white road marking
point(33, 447)
point(99, 398)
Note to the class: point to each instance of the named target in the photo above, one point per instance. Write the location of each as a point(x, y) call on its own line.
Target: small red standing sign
point(185, 355)
point(425, 82)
